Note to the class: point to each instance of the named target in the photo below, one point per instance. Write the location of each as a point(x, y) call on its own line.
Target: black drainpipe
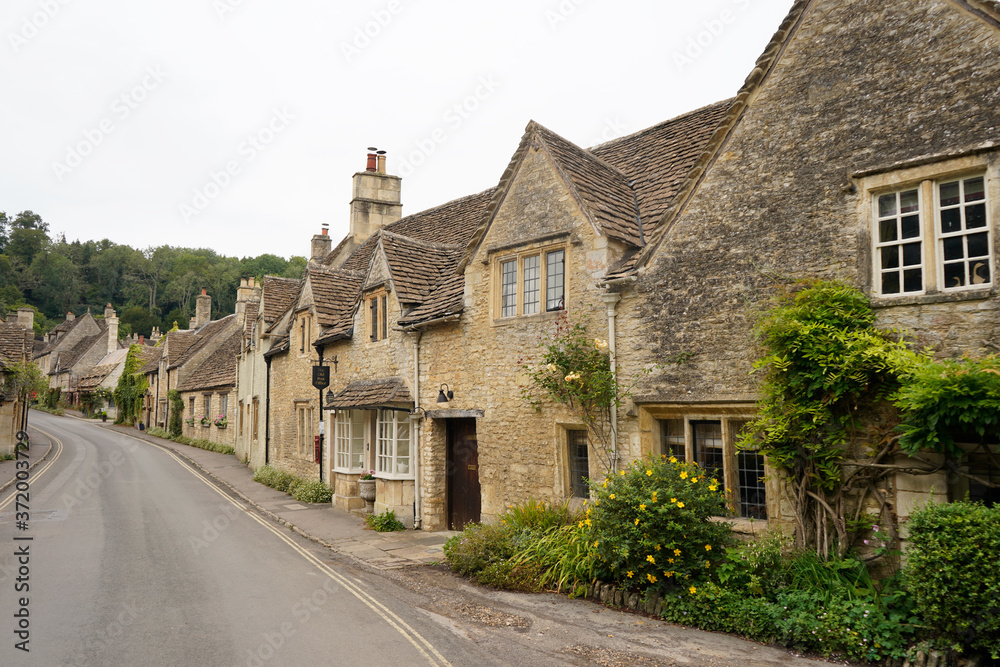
point(320, 351)
point(267, 413)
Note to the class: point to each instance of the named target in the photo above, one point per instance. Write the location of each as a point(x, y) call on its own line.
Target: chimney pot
point(142, 339)
point(204, 291)
point(380, 162)
point(372, 159)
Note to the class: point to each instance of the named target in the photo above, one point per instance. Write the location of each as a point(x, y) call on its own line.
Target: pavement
point(343, 532)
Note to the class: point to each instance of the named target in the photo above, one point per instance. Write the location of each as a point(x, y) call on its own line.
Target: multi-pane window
point(921, 247)
point(708, 447)
point(508, 281)
point(304, 429)
point(223, 404)
point(208, 405)
point(672, 438)
point(750, 468)
point(965, 239)
point(899, 247)
point(393, 444)
point(531, 282)
point(579, 463)
point(350, 440)
point(191, 407)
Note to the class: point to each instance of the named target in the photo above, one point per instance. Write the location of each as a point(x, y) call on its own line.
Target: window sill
point(394, 478)
point(523, 319)
point(933, 297)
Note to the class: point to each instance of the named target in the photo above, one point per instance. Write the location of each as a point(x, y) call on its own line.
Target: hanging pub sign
point(321, 377)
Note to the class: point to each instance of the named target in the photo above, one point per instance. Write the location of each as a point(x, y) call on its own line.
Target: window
point(303, 415)
point(710, 441)
point(378, 318)
point(672, 438)
point(303, 333)
point(531, 282)
point(223, 404)
point(191, 407)
point(240, 413)
point(253, 418)
point(579, 463)
point(932, 236)
point(393, 444)
point(207, 400)
point(349, 432)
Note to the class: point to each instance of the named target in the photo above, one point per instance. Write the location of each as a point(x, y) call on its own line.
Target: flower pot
point(366, 489)
point(221, 425)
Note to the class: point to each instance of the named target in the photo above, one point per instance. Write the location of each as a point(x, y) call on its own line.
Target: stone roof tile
point(277, 294)
point(218, 369)
point(368, 394)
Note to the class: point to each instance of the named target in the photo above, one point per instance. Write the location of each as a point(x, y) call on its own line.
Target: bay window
point(393, 453)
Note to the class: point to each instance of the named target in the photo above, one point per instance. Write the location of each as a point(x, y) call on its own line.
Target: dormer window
point(378, 317)
point(532, 281)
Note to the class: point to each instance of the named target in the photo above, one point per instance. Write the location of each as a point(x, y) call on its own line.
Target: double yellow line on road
point(424, 647)
point(35, 475)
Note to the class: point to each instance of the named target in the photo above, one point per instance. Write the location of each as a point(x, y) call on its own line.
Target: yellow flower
point(673, 500)
point(707, 564)
point(652, 578)
point(587, 522)
point(600, 344)
point(596, 543)
point(629, 574)
point(552, 368)
point(670, 560)
point(642, 507)
point(612, 496)
point(692, 590)
point(605, 485)
point(713, 487)
point(708, 547)
point(651, 559)
point(694, 480)
point(680, 505)
point(677, 552)
point(684, 474)
point(649, 473)
point(673, 459)
point(621, 472)
point(580, 525)
point(669, 574)
point(654, 496)
point(637, 521)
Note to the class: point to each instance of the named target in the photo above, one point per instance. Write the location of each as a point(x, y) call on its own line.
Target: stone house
point(267, 304)
point(74, 347)
point(16, 347)
point(832, 161)
point(864, 147)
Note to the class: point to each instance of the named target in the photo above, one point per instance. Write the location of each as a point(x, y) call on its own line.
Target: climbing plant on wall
point(131, 389)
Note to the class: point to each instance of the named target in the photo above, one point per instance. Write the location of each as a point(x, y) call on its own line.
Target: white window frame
point(927, 179)
point(350, 440)
point(390, 425)
point(532, 274)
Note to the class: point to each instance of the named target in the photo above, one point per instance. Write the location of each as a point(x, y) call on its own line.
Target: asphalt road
point(131, 558)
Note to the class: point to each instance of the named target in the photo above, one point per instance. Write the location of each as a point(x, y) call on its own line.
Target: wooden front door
point(464, 500)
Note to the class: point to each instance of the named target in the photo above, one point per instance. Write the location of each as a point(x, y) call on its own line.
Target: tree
point(28, 236)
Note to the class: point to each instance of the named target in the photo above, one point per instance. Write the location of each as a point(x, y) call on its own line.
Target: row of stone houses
point(16, 347)
point(864, 146)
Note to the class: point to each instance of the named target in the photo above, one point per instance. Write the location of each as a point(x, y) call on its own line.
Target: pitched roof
point(218, 369)
point(151, 359)
point(277, 294)
point(368, 394)
point(95, 376)
point(447, 299)
point(417, 267)
point(334, 295)
point(201, 337)
point(15, 343)
point(280, 345)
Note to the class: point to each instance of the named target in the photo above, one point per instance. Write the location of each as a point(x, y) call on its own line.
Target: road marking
point(39, 473)
point(425, 648)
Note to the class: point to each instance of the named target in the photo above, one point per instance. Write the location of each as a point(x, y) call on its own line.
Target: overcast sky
point(236, 125)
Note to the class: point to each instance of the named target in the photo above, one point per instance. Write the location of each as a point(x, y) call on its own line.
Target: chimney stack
point(111, 319)
point(142, 339)
point(247, 291)
point(70, 316)
point(202, 310)
point(155, 335)
point(375, 198)
point(321, 244)
point(26, 318)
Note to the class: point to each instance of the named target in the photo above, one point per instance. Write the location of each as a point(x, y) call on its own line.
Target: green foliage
point(24, 378)
point(478, 546)
point(312, 491)
point(537, 515)
point(561, 558)
point(386, 522)
point(952, 572)
point(131, 389)
point(824, 356)
point(652, 528)
point(176, 413)
point(276, 478)
point(940, 399)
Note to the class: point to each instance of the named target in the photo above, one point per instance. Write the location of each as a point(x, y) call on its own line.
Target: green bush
point(560, 558)
point(478, 546)
point(652, 528)
point(386, 522)
point(952, 573)
point(312, 491)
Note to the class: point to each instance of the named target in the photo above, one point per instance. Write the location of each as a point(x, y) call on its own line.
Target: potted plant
point(221, 421)
point(366, 489)
point(205, 421)
point(189, 421)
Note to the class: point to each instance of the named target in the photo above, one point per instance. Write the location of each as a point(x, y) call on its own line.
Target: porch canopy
point(371, 394)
